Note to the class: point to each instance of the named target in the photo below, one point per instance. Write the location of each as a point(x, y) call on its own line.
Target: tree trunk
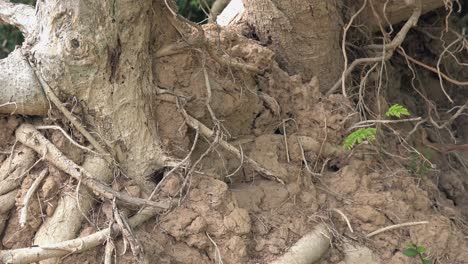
point(304, 34)
point(101, 54)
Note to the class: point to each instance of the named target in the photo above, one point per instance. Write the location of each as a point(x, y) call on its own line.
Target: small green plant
point(397, 110)
point(368, 134)
point(412, 250)
point(359, 136)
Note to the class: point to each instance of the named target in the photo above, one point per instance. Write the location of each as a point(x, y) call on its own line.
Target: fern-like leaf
point(397, 110)
point(359, 136)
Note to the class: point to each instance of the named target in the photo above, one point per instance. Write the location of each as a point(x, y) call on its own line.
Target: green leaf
point(425, 261)
point(359, 136)
point(420, 249)
point(397, 110)
point(410, 252)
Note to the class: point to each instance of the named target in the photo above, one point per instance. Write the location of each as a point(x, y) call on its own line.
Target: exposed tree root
point(56, 101)
point(15, 168)
point(72, 209)
point(12, 171)
point(81, 244)
point(7, 201)
point(30, 137)
point(309, 249)
point(357, 254)
point(20, 92)
point(376, 232)
point(28, 197)
point(204, 130)
point(388, 49)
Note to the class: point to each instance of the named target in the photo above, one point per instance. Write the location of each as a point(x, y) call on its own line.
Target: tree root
point(205, 131)
point(7, 201)
point(20, 92)
point(357, 254)
point(30, 137)
point(15, 168)
point(309, 249)
point(376, 232)
point(81, 244)
point(28, 196)
point(389, 49)
point(72, 209)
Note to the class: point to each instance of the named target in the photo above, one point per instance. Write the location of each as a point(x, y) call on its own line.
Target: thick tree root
point(12, 172)
point(15, 168)
point(356, 254)
point(30, 137)
point(309, 249)
point(7, 201)
point(20, 92)
point(72, 209)
point(81, 244)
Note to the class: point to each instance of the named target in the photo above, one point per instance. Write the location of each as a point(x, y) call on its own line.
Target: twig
point(343, 48)
point(30, 137)
point(208, 96)
point(285, 135)
point(344, 217)
point(415, 128)
point(432, 69)
point(56, 101)
point(194, 123)
point(395, 227)
point(217, 251)
point(304, 159)
point(322, 145)
point(68, 137)
point(186, 159)
point(127, 234)
point(10, 103)
point(448, 122)
point(240, 165)
point(388, 49)
point(29, 194)
point(366, 123)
